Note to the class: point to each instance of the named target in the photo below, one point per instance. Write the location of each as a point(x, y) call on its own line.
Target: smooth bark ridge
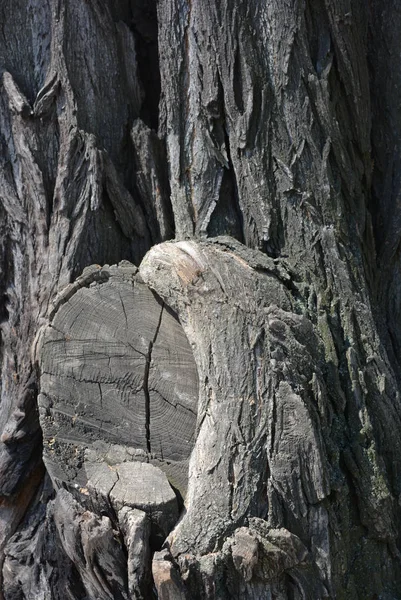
point(278, 125)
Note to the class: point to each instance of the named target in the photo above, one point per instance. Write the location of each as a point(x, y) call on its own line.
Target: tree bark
point(223, 422)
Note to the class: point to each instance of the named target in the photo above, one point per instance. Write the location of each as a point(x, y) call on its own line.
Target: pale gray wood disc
point(116, 367)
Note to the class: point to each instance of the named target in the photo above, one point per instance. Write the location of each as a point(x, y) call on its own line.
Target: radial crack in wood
point(116, 370)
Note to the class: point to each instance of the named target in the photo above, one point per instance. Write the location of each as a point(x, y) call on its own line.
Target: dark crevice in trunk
point(319, 38)
point(237, 82)
point(227, 218)
point(144, 25)
point(169, 207)
point(47, 160)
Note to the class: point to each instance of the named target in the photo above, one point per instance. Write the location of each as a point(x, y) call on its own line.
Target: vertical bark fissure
point(146, 390)
point(231, 171)
point(228, 204)
point(145, 27)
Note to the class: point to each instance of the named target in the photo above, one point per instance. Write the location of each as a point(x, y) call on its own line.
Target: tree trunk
point(222, 422)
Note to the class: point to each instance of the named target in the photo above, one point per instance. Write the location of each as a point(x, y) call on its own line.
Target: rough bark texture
point(225, 422)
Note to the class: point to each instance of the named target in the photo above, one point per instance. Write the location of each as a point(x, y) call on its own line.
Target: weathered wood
point(167, 581)
point(116, 368)
point(134, 524)
point(269, 418)
point(93, 546)
point(68, 191)
point(279, 125)
point(35, 563)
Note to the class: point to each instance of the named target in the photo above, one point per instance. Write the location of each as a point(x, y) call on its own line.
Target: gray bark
point(223, 422)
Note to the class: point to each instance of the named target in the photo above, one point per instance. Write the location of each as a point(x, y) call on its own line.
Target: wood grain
point(116, 368)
